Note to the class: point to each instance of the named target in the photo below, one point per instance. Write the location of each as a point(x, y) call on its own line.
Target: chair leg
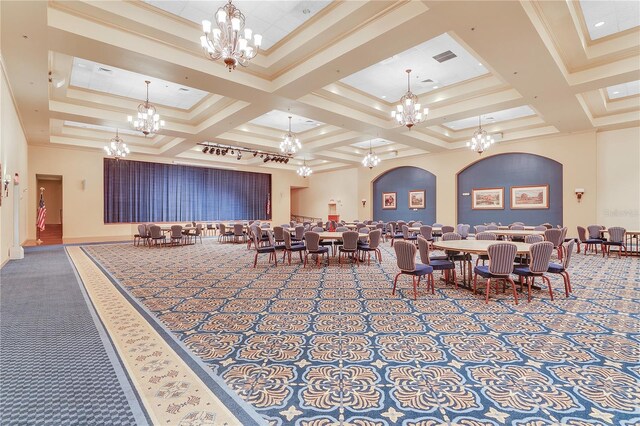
point(529, 282)
point(545, 278)
point(415, 287)
point(566, 283)
point(255, 260)
point(513, 287)
point(486, 292)
point(306, 257)
point(395, 282)
point(433, 284)
point(475, 283)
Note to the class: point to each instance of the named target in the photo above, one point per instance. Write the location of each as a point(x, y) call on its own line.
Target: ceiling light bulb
point(599, 24)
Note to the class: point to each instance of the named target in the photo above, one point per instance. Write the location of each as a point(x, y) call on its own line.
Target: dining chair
point(312, 240)
point(492, 227)
point(176, 235)
point(157, 236)
point(225, 234)
point(239, 234)
point(447, 229)
point(392, 232)
point(437, 234)
point(485, 236)
point(262, 248)
point(479, 229)
point(501, 257)
point(298, 233)
point(616, 238)
point(517, 238)
point(444, 265)
point(349, 246)
point(141, 235)
point(454, 255)
point(562, 268)
point(408, 236)
point(592, 243)
point(290, 247)
point(539, 255)
point(278, 234)
point(426, 232)
point(556, 237)
point(540, 228)
point(463, 230)
point(406, 262)
point(372, 246)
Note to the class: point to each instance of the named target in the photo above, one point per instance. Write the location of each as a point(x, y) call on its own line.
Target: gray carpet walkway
point(54, 366)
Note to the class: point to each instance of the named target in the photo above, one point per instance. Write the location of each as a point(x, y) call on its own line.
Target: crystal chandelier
point(226, 41)
point(148, 120)
point(290, 143)
point(408, 111)
point(370, 160)
point(304, 171)
point(481, 140)
point(117, 148)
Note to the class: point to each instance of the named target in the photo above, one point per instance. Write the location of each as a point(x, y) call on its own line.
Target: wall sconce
point(579, 193)
point(7, 181)
point(364, 202)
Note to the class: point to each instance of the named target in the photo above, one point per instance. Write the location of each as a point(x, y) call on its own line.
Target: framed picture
point(530, 197)
point(417, 199)
point(487, 198)
point(389, 200)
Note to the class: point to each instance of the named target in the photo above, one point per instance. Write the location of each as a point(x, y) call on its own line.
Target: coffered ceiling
point(529, 69)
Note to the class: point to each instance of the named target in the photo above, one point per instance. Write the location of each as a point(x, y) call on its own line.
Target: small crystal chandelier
point(304, 170)
point(370, 160)
point(408, 111)
point(481, 140)
point(226, 41)
point(148, 120)
point(117, 148)
point(290, 143)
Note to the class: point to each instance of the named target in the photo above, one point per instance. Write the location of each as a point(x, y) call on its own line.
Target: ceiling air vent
point(427, 81)
point(445, 56)
point(105, 70)
point(183, 89)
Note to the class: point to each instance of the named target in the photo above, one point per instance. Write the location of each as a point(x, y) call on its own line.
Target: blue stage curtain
point(136, 191)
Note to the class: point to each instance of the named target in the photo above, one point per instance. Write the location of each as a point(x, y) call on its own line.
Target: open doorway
point(51, 188)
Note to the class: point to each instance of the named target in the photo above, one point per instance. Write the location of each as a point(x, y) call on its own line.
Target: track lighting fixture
point(238, 152)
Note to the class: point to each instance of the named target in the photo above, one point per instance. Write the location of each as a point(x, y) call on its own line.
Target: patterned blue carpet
point(54, 368)
point(332, 346)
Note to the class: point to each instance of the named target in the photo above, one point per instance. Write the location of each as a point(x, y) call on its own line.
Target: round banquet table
point(515, 232)
point(475, 247)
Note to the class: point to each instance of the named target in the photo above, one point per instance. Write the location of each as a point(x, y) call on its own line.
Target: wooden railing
point(302, 219)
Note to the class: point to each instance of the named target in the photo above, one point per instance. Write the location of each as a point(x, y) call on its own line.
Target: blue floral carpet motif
point(321, 346)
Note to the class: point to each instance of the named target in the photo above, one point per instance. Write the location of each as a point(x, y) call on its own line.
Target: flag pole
point(39, 241)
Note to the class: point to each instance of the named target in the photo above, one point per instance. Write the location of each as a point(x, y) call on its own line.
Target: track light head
point(239, 155)
point(255, 153)
point(205, 149)
point(286, 161)
point(218, 151)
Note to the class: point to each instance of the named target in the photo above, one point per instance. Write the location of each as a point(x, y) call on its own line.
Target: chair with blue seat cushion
point(453, 255)
point(437, 264)
point(392, 232)
point(298, 233)
point(501, 257)
point(349, 246)
point(426, 232)
point(463, 230)
point(479, 228)
point(589, 243)
point(616, 239)
point(406, 261)
point(485, 236)
point(539, 257)
point(446, 229)
point(289, 247)
point(406, 235)
point(555, 236)
point(492, 227)
point(312, 239)
point(561, 268)
point(372, 246)
point(262, 248)
point(364, 236)
point(437, 234)
point(517, 227)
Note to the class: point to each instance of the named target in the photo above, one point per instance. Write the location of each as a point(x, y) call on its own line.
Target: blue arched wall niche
point(402, 180)
point(507, 170)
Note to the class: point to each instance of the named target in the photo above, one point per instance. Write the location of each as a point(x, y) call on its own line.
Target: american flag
point(42, 213)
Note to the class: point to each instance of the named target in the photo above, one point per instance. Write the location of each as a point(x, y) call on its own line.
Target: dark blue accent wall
point(507, 170)
point(401, 181)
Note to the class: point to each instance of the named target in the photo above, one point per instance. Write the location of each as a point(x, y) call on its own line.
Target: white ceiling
point(88, 75)
point(273, 20)
point(610, 16)
point(492, 117)
point(387, 79)
point(103, 128)
point(279, 120)
point(623, 90)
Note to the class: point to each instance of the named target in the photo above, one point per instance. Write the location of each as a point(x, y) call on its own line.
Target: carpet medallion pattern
point(332, 346)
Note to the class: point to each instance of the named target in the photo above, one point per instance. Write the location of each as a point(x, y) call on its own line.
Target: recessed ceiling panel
point(115, 81)
point(623, 90)
point(271, 19)
point(436, 63)
point(493, 117)
point(101, 128)
point(604, 18)
point(279, 120)
point(375, 143)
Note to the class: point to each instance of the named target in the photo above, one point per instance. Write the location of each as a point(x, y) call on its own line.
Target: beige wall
point(83, 207)
point(52, 199)
point(585, 157)
point(340, 186)
point(13, 156)
point(618, 173)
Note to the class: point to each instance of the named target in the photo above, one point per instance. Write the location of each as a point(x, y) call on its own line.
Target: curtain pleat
point(136, 191)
